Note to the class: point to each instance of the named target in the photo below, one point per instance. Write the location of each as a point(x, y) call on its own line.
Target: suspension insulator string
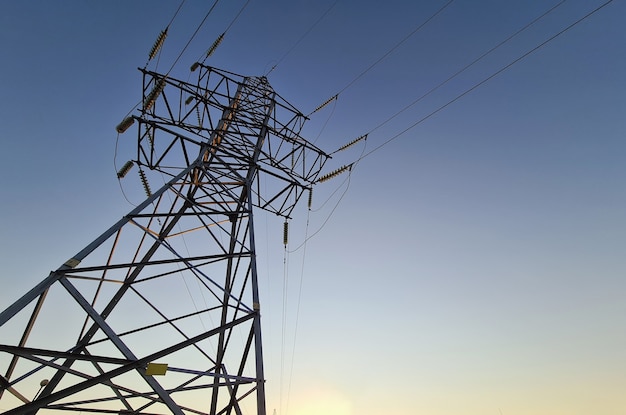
point(125, 124)
point(214, 45)
point(334, 173)
point(154, 94)
point(351, 143)
point(285, 233)
point(144, 182)
point(125, 169)
point(199, 118)
point(158, 44)
point(310, 198)
point(150, 138)
point(328, 101)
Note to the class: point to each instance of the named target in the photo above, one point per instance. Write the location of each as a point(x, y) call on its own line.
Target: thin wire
point(172, 67)
point(192, 36)
point(176, 13)
point(295, 330)
point(347, 180)
point(302, 37)
point(326, 123)
point(466, 67)
point(330, 214)
point(237, 16)
point(119, 180)
point(203, 57)
point(283, 325)
point(539, 46)
point(364, 154)
point(180, 6)
point(396, 46)
point(390, 51)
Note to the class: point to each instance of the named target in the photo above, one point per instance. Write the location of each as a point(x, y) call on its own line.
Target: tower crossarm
point(240, 122)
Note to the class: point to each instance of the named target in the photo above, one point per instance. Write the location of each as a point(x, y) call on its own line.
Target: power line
point(380, 59)
point(219, 39)
point(192, 36)
point(237, 16)
point(396, 46)
point(302, 37)
point(466, 67)
point(493, 75)
point(365, 154)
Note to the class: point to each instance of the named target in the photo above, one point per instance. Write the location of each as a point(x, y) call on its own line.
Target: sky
point(471, 262)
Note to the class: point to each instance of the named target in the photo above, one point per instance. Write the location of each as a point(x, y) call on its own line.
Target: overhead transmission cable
point(158, 44)
point(396, 46)
point(493, 75)
point(206, 16)
point(298, 303)
point(364, 154)
point(385, 55)
point(364, 137)
point(346, 182)
point(379, 60)
point(302, 37)
point(220, 38)
point(469, 65)
point(457, 73)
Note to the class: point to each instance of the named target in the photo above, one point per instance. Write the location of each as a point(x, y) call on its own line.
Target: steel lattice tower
point(161, 313)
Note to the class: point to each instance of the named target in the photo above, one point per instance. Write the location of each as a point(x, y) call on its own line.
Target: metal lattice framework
point(161, 313)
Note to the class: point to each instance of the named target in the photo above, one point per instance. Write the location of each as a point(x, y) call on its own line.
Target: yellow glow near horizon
point(323, 406)
point(320, 400)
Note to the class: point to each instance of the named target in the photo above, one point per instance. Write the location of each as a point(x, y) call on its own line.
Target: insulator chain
point(144, 182)
point(125, 169)
point(150, 135)
point(285, 233)
point(351, 143)
point(334, 173)
point(154, 94)
point(215, 45)
point(199, 118)
point(158, 44)
point(328, 101)
point(125, 124)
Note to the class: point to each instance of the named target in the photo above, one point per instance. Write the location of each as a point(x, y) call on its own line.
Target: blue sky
point(475, 264)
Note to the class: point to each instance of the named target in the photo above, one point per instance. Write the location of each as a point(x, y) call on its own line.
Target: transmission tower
point(161, 313)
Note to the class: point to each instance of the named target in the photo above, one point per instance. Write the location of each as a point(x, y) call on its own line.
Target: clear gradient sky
point(476, 263)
